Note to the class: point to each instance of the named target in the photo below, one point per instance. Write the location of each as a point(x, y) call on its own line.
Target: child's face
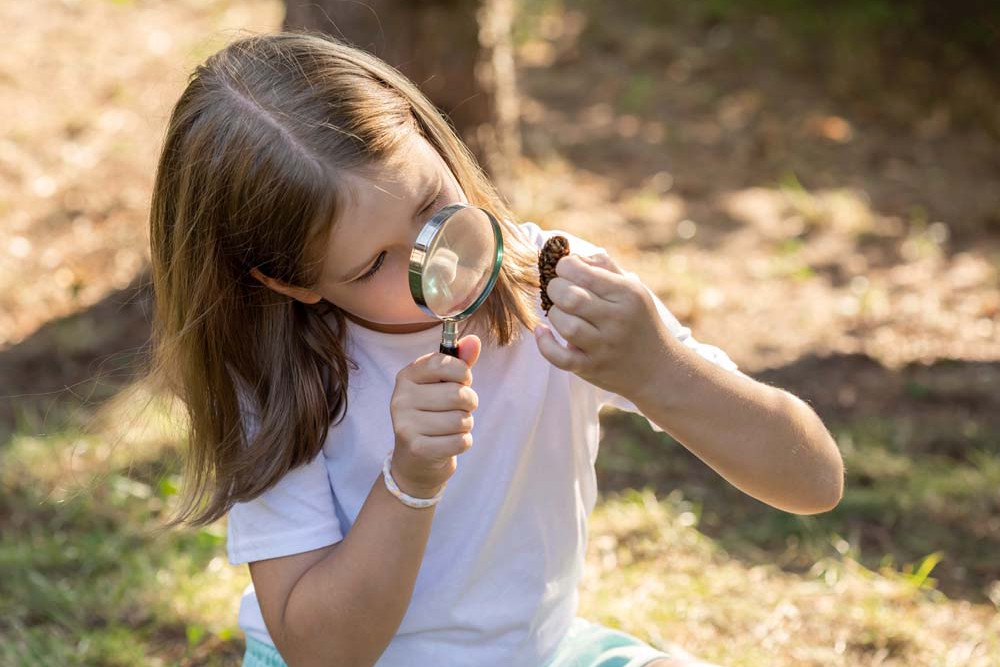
point(385, 208)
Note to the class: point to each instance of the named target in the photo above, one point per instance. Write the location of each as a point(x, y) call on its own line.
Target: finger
point(438, 367)
point(575, 330)
point(469, 348)
point(556, 354)
point(575, 300)
point(442, 446)
point(449, 422)
point(445, 396)
point(602, 282)
point(604, 261)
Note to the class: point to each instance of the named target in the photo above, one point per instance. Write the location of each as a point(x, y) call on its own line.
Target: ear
point(298, 293)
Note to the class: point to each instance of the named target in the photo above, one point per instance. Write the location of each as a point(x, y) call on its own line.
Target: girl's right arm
point(342, 604)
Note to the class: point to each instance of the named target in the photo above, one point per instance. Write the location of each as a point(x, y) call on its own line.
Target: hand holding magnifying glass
point(453, 266)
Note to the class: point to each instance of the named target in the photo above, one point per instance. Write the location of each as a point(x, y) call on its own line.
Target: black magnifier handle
point(449, 339)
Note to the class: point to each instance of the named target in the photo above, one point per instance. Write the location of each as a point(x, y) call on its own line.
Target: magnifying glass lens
point(459, 263)
point(454, 265)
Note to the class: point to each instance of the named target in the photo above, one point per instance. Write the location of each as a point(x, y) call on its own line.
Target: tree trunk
point(458, 52)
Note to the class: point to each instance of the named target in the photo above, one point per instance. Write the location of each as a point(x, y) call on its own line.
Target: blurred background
point(814, 188)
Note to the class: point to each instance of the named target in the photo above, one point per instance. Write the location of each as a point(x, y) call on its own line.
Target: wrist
point(411, 487)
point(667, 377)
point(416, 490)
point(414, 496)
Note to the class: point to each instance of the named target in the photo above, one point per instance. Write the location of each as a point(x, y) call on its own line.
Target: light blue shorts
point(586, 644)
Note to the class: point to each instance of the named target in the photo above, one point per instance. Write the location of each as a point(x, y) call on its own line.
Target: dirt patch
point(774, 218)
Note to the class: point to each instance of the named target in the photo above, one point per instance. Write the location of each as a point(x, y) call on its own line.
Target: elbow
point(317, 648)
point(300, 654)
point(836, 489)
point(823, 496)
point(305, 643)
point(831, 484)
point(823, 502)
point(825, 473)
point(825, 491)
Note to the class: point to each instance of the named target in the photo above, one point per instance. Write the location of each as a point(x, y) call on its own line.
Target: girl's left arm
point(763, 440)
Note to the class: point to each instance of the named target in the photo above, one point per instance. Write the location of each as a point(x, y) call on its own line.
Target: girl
point(295, 175)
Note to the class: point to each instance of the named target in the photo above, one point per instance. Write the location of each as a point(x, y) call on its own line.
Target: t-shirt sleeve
point(682, 333)
point(295, 515)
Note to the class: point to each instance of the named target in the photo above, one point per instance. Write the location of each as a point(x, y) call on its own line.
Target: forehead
point(375, 199)
point(404, 174)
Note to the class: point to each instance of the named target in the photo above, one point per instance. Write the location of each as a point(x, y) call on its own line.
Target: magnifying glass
point(454, 264)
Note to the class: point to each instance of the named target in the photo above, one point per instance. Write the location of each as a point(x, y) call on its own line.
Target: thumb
point(469, 348)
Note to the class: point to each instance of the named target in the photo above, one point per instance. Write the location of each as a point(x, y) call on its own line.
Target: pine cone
point(553, 250)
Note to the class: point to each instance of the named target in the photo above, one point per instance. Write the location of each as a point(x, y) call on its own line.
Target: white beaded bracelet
point(409, 501)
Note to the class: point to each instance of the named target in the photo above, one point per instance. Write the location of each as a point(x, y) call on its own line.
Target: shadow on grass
point(72, 364)
point(85, 577)
point(922, 451)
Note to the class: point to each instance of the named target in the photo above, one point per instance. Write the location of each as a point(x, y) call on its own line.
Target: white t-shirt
point(498, 583)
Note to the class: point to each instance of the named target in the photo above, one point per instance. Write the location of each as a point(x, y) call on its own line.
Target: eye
point(372, 271)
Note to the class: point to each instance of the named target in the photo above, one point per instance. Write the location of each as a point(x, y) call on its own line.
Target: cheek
point(387, 298)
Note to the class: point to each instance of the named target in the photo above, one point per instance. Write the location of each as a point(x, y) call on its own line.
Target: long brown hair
point(248, 177)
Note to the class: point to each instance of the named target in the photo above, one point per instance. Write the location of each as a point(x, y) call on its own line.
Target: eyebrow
point(431, 193)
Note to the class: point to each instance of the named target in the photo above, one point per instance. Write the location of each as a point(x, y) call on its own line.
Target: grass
point(652, 572)
point(911, 499)
point(85, 579)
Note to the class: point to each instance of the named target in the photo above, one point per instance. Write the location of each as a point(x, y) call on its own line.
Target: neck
point(391, 328)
